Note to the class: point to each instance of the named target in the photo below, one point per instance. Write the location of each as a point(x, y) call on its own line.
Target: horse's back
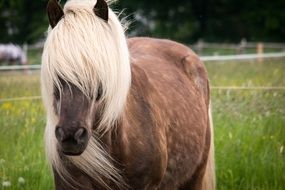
point(173, 82)
point(170, 52)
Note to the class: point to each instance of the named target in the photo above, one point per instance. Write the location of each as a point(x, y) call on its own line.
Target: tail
point(209, 180)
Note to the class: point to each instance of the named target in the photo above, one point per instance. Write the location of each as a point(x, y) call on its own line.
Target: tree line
point(182, 20)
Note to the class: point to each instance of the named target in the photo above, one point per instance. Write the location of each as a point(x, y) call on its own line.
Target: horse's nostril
point(59, 134)
point(81, 135)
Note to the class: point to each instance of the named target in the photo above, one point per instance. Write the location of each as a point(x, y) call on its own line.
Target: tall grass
point(249, 139)
point(249, 129)
point(249, 125)
point(22, 159)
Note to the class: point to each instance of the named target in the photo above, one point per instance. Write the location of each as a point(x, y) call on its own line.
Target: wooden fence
point(239, 48)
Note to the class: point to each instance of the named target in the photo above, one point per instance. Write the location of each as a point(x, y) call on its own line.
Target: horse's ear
point(55, 12)
point(101, 9)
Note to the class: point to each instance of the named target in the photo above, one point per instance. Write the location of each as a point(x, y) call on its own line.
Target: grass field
point(249, 129)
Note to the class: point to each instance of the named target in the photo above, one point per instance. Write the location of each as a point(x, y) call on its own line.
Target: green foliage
point(220, 20)
point(22, 21)
point(182, 20)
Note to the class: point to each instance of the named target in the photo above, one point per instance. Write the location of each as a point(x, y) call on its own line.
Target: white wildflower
point(2, 161)
point(230, 135)
point(6, 183)
point(21, 180)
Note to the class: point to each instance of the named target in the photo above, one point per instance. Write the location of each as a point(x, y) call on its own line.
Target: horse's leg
point(144, 186)
point(195, 183)
point(204, 177)
point(201, 180)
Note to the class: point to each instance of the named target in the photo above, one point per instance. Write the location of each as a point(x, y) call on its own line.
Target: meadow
point(249, 128)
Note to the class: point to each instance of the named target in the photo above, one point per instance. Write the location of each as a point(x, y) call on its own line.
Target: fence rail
point(203, 58)
point(19, 67)
point(242, 57)
point(201, 44)
point(248, 88)
point(241, 47)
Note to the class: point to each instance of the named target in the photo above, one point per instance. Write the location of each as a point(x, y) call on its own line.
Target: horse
point(12, 53)
point(122, 113)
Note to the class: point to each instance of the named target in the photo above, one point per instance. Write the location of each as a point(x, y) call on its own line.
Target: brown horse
point(123, 114)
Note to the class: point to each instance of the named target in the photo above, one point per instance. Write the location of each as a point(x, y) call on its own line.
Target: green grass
point(249, 128)
point(22, 151)
point(249, 138)
point(249, 125)
point(21, 134)
point(18, 84)
point(247, 73)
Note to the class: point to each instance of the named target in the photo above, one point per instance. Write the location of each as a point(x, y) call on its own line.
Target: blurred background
point(187, 21)
point(242, 44)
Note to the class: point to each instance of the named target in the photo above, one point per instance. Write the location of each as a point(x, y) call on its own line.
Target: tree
point(212, 20)
point(23, 20)
point(181, 20)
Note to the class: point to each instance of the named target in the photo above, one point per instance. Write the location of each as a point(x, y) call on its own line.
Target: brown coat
point(162, 140)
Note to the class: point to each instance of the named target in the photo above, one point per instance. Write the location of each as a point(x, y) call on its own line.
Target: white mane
point(86, 51)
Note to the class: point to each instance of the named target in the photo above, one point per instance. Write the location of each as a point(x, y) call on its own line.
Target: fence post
point(25, 54)
point(241, 47)
point(259, 51)
point(200, 46)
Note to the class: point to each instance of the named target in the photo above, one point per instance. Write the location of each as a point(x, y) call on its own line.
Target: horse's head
point(74, 109)
point(85, 47)
point(85, 79)
point(77, 116)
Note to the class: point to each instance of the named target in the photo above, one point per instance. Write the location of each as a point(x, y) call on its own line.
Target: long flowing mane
point(88, 52)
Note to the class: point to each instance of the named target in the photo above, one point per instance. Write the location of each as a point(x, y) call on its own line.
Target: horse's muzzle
point(71, 143)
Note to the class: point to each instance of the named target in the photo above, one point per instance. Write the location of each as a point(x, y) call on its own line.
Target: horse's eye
point(99, 93)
